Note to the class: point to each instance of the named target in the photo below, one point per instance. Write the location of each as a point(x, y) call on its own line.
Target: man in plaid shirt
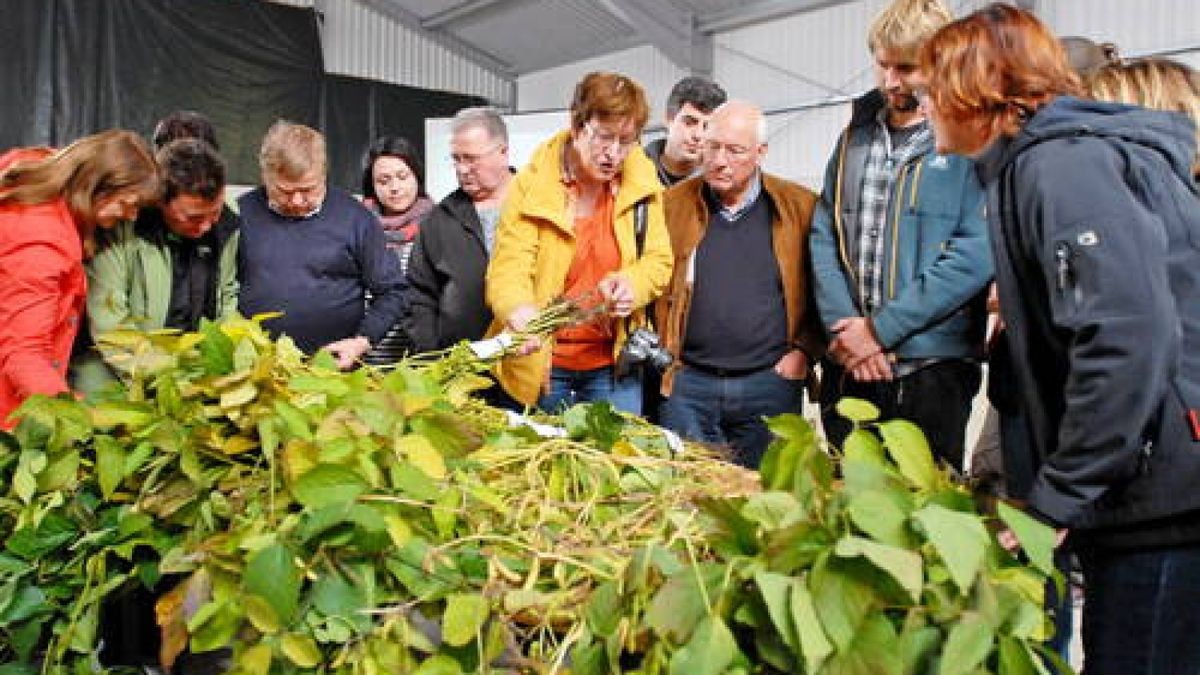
point(900, 252)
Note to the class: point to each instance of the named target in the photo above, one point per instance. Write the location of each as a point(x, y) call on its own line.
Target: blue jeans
point(568, 387)
point(1141, 609)
point(730, 410)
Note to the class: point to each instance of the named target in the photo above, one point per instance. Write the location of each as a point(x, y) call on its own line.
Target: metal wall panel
point(551, 89)
point(1136, 26)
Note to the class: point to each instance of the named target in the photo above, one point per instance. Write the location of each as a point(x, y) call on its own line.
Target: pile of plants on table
point(308, 520)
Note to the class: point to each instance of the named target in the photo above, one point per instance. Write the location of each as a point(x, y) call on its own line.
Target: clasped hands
point(856, 347)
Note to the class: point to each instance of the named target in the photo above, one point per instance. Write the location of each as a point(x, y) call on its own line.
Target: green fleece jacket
point(129, 286)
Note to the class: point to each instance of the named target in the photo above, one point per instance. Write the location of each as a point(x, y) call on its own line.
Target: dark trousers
point(936, 398)
point(1141, 610)
point(730, 410)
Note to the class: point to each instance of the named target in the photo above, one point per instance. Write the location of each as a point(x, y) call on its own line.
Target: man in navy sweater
point(314, 253)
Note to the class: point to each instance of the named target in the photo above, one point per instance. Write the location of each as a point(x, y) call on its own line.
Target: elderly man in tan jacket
point(738, 315)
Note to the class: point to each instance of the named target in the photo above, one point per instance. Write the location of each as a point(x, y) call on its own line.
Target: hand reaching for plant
point(348, 351)
point(518, 322)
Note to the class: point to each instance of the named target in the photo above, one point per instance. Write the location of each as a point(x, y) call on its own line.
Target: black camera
point(643, 347)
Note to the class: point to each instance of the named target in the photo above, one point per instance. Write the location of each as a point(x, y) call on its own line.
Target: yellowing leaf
point(463, 618)
point(236, 445)
point(301, 650)
point(420, 453)
point(398, 530)
point(239, 395)
point(256, 660)
point(261, 614)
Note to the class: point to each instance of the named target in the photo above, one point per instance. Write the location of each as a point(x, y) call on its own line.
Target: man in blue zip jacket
point(900, 253)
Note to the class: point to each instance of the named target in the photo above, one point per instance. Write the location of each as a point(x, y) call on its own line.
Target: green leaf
point(216, 350)
point(1015, 658)
point(863, 446)
point(301, 650)
point(907, 445)
point(214, 625)
point(261, 614)
point(463, 618)
point(327, 484)
point(110, 464)
point(967, 645)
point(25, 477)
point(905, 566)
point(814, 644)
point(412, 482)
point(857, 410)
point(795, 438)
point(843, 600)
point(25, 603)
point(52, 533)
point(709, 652)
point(882, 515)
point(333, 595)
point(960, 539)
point(874, 651)
point(776, 592)
point(439, 664)
point(678, 606)
point(918, 647)
point(1036, 537)
point(603, 611)
point(272, 574)
point(295, 422)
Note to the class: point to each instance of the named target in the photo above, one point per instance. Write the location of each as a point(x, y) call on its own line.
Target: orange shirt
point(590, 345)
point(42, 294)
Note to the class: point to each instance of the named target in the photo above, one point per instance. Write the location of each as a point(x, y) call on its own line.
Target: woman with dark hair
point(1096, 236)
point(393, 187)
point(50, 204)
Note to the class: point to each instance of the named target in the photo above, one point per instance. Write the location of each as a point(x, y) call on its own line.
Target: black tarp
point(74, 67)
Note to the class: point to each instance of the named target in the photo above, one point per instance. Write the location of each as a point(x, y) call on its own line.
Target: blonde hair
point(290, 150)
point(905, 25)
point(1161, 84)
point(85, 172)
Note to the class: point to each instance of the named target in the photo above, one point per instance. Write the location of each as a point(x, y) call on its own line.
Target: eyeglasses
point(735, 152)
point(467, 159)
point(604, 140)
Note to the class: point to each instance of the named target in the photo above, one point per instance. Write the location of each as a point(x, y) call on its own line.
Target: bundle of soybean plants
point(295, 518)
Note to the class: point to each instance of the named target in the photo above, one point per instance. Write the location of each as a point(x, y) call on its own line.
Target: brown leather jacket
point(687, 220)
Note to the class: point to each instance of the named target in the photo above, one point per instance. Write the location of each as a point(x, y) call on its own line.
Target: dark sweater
point(317, 271)
point(737, 320)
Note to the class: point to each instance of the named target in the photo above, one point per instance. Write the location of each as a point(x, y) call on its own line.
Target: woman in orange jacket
point(50, 203)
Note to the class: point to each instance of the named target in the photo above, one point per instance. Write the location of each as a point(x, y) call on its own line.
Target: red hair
point(996, 66)
point(608, 96)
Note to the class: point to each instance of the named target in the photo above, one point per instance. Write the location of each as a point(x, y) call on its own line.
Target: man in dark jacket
point(689, 106)
point(900, 254)
point(451, 255)
point(1095, 222)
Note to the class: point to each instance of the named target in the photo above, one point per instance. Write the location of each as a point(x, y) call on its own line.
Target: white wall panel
point(551, 89)
point(1136, 26)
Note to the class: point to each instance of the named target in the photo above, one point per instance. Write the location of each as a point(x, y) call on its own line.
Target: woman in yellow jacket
point(567, 229)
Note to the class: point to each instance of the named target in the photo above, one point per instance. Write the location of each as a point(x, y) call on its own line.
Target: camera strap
point(640, 218)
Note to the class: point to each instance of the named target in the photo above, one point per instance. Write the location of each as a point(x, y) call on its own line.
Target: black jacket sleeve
point(424, 293)
point(383, 277)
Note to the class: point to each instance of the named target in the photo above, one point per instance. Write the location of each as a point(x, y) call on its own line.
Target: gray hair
point(290, 150)
point(484, 117)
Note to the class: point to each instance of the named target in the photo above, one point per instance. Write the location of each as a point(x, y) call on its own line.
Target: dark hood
point(1169, 135)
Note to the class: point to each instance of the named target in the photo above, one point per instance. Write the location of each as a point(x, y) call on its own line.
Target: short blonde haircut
point(291, 150)
point(905, 25)
point(1157, 83)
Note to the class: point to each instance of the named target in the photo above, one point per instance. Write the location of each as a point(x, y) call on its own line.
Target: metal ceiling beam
point(458, 13)
point(758, 12)
point(671, 31)
point(393, 10)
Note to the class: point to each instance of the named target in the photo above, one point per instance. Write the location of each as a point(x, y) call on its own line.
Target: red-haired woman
point(567, 227)
point(50, 203)
point(1096, 235)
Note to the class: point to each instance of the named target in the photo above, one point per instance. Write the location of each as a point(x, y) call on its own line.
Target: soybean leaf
point(1036, 537)
point(918, 647)
point(110, 464)
point(874, 651)
point(864, 446)
point(967, 645)
point(814, 644)
point(439, 664)
point(1015, 658)
point(327, 484)
point(272, 574)
point(857, 410)
point(49, 535)
point(603, 611)
point(907, 445)
point(904, 566)
point(301, 650)
point(420, 453)
point(256, 660)
point(216, 350)
point(843, 600)
point(463, 618)
point(882, 516)
point(960, 540)
point(776, 592)
point(710, 651)
point(26, 602)
point(677, 608)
